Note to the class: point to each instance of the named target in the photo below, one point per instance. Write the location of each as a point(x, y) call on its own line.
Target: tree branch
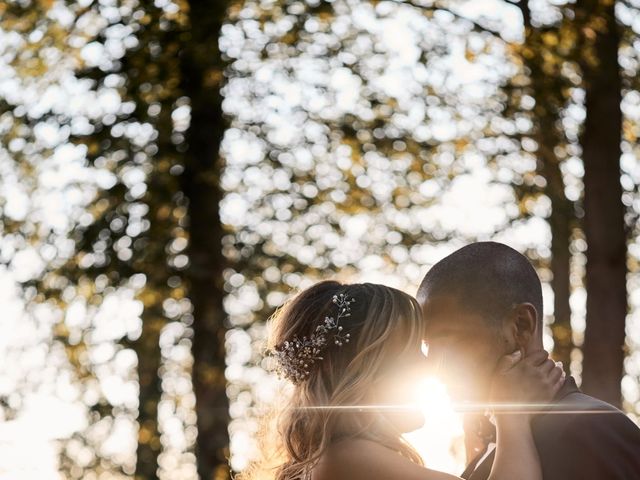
point(477, 27)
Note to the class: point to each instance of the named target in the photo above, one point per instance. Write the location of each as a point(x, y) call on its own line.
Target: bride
point(346, 347)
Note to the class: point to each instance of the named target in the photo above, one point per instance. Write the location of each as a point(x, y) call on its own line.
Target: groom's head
point(480, 302)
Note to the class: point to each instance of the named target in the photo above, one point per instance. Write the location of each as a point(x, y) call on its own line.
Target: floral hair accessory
point(296, 356)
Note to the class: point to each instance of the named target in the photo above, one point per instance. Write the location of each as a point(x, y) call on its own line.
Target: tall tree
point(40, 61)
point(202, 74)
point(544, 53)
point(171, 75)
point(604, 211)
point(136, 234)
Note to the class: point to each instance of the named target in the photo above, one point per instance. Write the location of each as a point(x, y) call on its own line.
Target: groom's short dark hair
point(487, 277)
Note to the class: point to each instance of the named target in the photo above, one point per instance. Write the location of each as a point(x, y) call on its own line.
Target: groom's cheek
point(475, 365)
point(459, 371)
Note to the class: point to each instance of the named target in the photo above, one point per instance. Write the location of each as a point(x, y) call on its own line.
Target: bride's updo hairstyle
point(380, 325)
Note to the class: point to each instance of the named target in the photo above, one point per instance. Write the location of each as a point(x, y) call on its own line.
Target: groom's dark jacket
point(579, 438)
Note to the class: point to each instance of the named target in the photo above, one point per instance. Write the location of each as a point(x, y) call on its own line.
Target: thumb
point(507, 362)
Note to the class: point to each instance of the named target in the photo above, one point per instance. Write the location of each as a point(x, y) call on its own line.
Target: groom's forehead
point(437, 332)
point(447, 316)
point(443, 306)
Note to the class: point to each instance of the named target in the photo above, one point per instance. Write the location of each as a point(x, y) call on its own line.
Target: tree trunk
point(147, 348)
point(561, 218)
point(201, 71)
point(604, 212)
point(547, 92)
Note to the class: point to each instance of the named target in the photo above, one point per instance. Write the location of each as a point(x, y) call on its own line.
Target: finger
point(507, 362)
point(537, 358)
point(548, 366)
point(555, 374)
point(560, 382)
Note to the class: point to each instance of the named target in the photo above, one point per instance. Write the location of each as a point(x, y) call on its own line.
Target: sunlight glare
point(440, 441)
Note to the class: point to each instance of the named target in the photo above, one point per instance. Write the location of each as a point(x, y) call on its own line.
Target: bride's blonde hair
point(384, 323)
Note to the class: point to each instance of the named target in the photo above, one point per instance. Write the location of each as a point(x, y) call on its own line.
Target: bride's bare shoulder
point(361, 459)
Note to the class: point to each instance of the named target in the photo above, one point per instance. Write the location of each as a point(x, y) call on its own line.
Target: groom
point(485, 300)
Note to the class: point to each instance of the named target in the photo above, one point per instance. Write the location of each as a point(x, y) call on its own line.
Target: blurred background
point(171, 171)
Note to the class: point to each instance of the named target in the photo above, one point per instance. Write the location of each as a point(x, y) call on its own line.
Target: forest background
point(171, 171)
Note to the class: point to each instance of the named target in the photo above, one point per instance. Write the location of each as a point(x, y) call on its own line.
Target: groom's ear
point(525, 323)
